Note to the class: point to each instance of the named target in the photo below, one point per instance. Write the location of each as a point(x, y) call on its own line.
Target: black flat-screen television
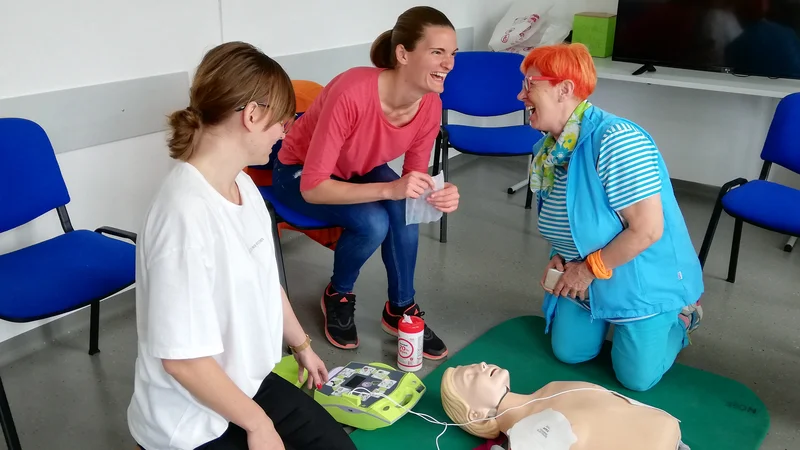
point(739, 37)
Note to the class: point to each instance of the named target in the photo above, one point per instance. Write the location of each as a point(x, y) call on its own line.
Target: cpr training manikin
point(562, 415)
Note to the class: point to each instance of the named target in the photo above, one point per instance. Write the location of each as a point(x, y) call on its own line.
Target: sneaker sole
point(393, 332)
point(328, 336)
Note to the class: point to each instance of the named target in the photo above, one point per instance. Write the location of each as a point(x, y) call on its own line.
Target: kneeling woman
point(607, 207)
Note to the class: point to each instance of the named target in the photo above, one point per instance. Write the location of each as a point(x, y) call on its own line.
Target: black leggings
point(301, 422)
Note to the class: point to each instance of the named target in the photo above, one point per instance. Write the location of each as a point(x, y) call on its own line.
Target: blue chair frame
point(763, 203)
point(31, 184)
point(483, 84)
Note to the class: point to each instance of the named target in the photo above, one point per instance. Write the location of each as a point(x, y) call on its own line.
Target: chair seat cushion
point(493, 141)
point(766, 204)
point(62, 274)
point(291, 217)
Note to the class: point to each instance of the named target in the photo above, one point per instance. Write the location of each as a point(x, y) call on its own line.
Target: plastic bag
point(531, 23)
point(418, 210)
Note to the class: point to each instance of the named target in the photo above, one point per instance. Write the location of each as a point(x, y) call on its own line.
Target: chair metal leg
point(7, 422)
point(436, 154)
point(94, 328)
point(445, 164)
point(526, 183)
point(529, 194)
point(737, 237)
point(513, 189)
point(276, 239)
point(712, 224)
point(710, 231)
point(790, 244)
point(529, 198)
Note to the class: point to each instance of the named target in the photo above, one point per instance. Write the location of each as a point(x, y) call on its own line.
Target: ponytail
point(407, 31)
point(185, 124)
point(382, 52)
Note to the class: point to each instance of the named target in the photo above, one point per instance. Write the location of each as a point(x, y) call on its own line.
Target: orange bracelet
point(598, 268)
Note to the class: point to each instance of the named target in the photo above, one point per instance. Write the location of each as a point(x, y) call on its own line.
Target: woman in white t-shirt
point(211, 314)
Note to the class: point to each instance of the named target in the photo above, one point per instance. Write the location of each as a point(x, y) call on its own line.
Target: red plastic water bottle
point(410, 336)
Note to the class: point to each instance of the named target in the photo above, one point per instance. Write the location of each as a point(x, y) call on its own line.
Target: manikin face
point(432, 59)
point(482, 386)
point(542, 99)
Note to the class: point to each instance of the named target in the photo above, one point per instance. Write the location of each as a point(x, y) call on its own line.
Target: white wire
point(432, 420)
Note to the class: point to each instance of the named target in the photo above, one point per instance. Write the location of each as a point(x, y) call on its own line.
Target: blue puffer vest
point(663, 278)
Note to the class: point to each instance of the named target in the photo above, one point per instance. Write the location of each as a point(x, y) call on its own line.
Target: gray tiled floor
point(63, 399)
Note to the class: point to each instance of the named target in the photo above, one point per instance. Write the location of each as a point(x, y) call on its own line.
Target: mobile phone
point(552, 278)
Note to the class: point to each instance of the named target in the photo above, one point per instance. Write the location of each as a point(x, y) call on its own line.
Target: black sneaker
point(340, 326)
point(432, 347)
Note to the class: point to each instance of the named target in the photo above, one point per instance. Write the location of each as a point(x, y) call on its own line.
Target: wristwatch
point(301, 347)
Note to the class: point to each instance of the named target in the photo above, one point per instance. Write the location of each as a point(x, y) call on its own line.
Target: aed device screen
point(355, 381)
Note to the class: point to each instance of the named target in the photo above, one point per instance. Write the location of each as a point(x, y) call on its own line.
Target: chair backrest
point(305, 92)
point(782, 145)
point(31, 183)
point(484, 84)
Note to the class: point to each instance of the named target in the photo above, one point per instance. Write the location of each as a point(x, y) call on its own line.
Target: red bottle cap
point(417, 325)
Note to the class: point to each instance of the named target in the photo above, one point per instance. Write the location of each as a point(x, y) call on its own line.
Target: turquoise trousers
point(642, 350)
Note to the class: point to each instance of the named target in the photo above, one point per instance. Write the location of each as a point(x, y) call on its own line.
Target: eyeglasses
point(527, 83)
point(241, 108)
point(286, 124)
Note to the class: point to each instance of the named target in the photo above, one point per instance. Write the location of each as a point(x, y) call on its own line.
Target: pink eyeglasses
point(526, 83)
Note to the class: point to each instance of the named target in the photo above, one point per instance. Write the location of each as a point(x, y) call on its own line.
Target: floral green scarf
point(556, 153)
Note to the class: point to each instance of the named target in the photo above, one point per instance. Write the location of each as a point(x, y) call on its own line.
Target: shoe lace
point(416, 312)
point(427, 333)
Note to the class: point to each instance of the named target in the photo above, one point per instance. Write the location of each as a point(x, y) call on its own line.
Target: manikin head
point(239, 96)
point(421, 45)
point(557, 78)
point(473, 392)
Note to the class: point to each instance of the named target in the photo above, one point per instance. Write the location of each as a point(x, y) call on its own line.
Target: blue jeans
point(642, 350)
point(366, 226)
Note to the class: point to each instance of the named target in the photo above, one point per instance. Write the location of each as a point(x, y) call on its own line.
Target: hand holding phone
point(551, 278)
point(552, 273)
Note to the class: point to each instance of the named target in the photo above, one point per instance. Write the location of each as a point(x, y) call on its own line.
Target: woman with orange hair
point(618, 237)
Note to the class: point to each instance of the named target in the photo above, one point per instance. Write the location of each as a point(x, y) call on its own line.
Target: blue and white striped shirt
point(628, 167)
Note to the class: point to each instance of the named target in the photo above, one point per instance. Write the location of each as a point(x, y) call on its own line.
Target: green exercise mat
point(715, 412)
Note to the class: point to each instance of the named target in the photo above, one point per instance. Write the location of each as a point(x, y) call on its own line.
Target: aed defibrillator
point(382, 395)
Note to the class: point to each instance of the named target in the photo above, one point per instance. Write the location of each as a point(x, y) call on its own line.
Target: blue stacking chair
point(70, 271)
point(281, 213)
point(483, 84)
point(763, 203)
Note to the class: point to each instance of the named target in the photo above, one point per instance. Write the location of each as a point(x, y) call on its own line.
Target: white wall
point(283, 28)
point(48, 46)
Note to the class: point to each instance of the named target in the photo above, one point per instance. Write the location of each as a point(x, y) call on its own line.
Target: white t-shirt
point(206, 285)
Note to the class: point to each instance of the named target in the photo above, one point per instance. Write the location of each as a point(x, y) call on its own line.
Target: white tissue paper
point(418, 210)
point(547, 430)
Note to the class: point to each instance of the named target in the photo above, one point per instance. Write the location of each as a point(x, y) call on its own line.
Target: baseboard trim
point(696, 189)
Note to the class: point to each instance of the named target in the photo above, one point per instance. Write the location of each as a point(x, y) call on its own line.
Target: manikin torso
point(601, 420)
